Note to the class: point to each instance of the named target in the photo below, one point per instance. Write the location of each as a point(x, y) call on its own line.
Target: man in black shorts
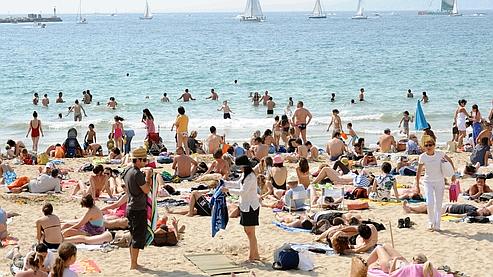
point(138, 185)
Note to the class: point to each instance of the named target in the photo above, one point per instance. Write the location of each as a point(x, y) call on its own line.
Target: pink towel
point(412, 270)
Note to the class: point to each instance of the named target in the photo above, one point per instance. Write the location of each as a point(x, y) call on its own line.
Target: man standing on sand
point(77, 108)
point(336, 121)
point(386, 142)
point(335, 147)
point(213, 96)
point(138, 185)
point(181, 125)
point(186, 96)
point(301, 118)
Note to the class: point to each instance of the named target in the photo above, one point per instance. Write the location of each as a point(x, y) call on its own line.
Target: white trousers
point(434, 198)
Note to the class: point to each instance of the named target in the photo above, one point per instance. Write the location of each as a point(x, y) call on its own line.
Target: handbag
point(447, 169)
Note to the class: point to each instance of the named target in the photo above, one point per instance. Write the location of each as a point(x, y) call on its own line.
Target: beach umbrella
point(420, 122)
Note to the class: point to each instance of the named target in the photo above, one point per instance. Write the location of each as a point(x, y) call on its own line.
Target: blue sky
point(89, 6)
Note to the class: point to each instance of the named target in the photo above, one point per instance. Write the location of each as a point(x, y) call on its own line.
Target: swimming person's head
point(362, 90)
point(462, 102)
point(67, 255)
point(352, 101)
point(181, 110)
point(300, 104)
point(186, 90)
point(409, 91)
point(335, 111)
point(46, 95)
point(60, 116)
point(47, 209)
point(60, 94)
point(333, 95)
point(36, 95)
point(35, 114)
point(424, 93)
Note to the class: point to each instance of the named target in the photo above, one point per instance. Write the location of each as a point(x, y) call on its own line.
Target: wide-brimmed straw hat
point(139, 153)
point(243, 161)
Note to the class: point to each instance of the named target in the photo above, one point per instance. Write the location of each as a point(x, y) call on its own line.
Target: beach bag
point(86, 167)
point(164, 237)
point(287, 259)
point(357, 205)
point(447, 169)
point(202, 168)
point(486, 197)
point(164, 160)
point(202, 206)
point(167, 177)
point(43, 159)
point(306, 262)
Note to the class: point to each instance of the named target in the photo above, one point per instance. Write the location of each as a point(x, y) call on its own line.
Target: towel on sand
point(290, 229)
point(85, 266)
point(10, 241)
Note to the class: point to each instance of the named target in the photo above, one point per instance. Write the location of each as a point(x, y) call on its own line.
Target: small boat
point(80, 19)
point(147, 12)
point(253, 12)
point(39, 25)
point(317, 11)
point(359, 12)
point(455, 11)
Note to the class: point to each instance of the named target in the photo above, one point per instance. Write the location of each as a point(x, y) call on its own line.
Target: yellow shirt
point(181, 124)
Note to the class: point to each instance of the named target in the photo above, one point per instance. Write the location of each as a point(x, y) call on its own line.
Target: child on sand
point(383, 185)
point(90, 137)
point(454, 189)
point(67, 255)
point(226, 110)
point(118, 132)
point(405, 123)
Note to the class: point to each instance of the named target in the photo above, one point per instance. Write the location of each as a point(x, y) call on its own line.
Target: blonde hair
point(65, 251)
point(428, 270)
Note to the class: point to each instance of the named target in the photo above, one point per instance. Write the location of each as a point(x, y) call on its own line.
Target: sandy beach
point(462, 246)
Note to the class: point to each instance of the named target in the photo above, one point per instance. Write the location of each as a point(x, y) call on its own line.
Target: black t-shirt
point(137, 199)
point(192, 145)
point(461, 209)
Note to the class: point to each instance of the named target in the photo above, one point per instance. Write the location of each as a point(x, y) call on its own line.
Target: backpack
point(287, 259)
point(166, 176)
point(202, 206)
point(202, 168)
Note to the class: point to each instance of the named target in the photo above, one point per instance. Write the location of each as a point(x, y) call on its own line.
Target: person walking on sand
point(226, 110)
point(35, 129)
point(138, 185)
point(118, 132)
point(246, 188)
point(301, 118)
point(186, 96)
point(405, 123)
point(77, 109)
point(213, 96)
point(460, 119)
point(181, 125)
point(434, 182)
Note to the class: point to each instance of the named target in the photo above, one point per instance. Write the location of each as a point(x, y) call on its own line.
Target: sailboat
point(359, 13)
point(317, 11)
point(253, 12)
point(147, 12)
point(455, 10)
point(80, 19)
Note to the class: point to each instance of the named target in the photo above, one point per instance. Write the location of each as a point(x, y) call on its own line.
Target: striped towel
point(152, 216)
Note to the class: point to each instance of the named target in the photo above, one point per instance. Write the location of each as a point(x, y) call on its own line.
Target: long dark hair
point(247, 170)
point(147, 115)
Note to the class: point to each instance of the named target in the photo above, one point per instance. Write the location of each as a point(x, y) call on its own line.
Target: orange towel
point(19, 182)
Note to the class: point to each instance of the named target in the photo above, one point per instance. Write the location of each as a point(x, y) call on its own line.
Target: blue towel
point(219, 218)
point(290, 229)
point(420, 122)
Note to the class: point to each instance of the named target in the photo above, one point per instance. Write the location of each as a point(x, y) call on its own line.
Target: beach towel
point(152, 215)
point(290, 229)
point(313, 247)
point(420, 122)
point(219, 214)
point(215, 264)
point(88, 247)
point(85, 266)
point(10, 241)
point(412, 270)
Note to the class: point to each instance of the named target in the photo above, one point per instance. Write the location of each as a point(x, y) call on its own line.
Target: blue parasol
point(420, 123)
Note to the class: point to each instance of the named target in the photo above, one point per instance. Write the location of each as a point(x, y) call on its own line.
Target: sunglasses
point(143, 159)
point(429, 145)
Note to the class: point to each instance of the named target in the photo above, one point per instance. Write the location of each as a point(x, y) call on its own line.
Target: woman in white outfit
point(434, 182)
point(246, 188)
point(460, 119)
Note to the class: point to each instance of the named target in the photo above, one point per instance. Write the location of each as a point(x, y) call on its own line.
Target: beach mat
point(215, 264)
point(10, 241)
point(85, 266)
point(290, 229)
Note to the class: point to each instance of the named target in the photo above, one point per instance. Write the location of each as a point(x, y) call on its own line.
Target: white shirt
point(246, 190)
point(433, 166)
point(44, 183)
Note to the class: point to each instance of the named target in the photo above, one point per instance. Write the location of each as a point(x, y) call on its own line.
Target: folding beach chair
point(297, 195)
point(334, 193)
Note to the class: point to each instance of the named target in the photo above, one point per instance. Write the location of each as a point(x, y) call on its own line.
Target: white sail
point(253, 11)
point(317, 10)
point(359, 11)
point(80, 19)
point(147, 12)
point(455, 10)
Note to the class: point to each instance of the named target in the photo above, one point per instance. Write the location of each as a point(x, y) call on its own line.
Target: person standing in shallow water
point(213, 96)
point(362, 94)
point(77, 109)
point(425, 98)
point(35, 130)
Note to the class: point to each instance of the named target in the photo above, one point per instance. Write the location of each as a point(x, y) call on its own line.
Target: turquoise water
point(289, 55)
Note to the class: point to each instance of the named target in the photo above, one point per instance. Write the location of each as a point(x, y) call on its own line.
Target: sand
point(464, 247)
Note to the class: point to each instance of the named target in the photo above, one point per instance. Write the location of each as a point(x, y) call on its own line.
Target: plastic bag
point(307, 262)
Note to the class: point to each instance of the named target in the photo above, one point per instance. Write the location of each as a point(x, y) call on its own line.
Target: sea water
point(289, 55)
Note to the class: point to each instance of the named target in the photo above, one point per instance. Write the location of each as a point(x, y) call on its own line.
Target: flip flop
point(407, 222)
point(401, 223)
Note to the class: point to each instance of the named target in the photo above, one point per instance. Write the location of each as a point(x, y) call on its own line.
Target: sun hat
point(292, 178)
point(277, 159)
point(243, 161)
point(139, 153)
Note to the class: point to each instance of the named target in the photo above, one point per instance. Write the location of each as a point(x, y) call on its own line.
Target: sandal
point(407, 222)
point(400, 223)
